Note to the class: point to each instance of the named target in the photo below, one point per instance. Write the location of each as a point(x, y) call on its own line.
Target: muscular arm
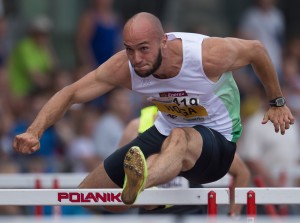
point(96, 83)
point(81, 91)
point(227, 54)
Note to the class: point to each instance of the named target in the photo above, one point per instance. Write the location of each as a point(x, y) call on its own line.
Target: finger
point(276, 126)
point(265, 119)
point(282, 125)
point(282, 128)
point(15, 144)
point(35, 148)
point(26, 147)
point(292, 120)
point(287, 122)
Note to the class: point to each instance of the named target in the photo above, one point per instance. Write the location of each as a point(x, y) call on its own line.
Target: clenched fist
point(26, 143)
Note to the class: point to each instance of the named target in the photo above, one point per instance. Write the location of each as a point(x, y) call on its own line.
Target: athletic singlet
point(190, 98)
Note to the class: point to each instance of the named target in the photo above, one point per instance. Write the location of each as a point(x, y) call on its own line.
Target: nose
point(137, 58)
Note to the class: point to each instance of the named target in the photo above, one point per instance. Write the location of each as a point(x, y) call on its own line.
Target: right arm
point(227, 54)
point(94, 84)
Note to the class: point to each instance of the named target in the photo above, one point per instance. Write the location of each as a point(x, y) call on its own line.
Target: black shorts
point(214, 162)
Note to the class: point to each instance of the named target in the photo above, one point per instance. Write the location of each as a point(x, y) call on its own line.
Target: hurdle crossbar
point(286, 195)
point(86, 197)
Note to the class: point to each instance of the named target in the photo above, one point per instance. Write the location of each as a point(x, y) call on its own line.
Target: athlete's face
point(145, 57)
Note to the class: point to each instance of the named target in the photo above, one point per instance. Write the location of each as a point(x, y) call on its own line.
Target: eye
point(144, 48)
point(129, 50)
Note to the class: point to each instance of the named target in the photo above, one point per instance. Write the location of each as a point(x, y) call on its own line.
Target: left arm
point(241, 177)
point(227, 54)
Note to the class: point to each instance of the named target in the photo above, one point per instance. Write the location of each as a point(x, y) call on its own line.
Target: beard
point(155, 67)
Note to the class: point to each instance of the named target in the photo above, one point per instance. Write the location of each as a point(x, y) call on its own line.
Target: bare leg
point(179, 152)
point(98, 178)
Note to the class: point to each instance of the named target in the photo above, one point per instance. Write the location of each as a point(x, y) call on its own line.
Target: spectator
point(265, 22)
point(98, 38)
point(291, 78)
point(82, 152)
point(50, 142)
point(99, 34)
point(4, 42)
point(269, 154)
point(110, 127)
point(32, 60)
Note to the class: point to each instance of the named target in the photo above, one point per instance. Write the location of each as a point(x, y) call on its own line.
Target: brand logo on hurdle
point(75, 197)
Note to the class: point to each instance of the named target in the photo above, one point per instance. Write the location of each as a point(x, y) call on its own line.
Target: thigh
point(98, 178)
point(149, 142)
point(215, 159)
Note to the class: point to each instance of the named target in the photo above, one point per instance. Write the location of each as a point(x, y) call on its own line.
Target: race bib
point(187, 107)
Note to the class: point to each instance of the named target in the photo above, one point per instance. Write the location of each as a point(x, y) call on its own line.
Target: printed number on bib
point(184, 107)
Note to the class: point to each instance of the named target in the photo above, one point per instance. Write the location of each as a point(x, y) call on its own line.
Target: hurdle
point(216, 194)
point(253, 196)
point(111, 197)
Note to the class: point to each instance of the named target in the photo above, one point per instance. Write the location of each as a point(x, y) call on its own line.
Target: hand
point(281, 117)
point(26, 143)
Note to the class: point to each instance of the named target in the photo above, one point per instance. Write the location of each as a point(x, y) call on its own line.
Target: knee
point(179, 136)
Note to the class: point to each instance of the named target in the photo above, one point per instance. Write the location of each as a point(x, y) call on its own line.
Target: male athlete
point(188, 77)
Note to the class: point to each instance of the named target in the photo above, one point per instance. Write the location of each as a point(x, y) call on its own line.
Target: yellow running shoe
point(136, 174)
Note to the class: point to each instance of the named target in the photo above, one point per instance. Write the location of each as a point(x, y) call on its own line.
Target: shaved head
point(143, 39)
point(143, 24)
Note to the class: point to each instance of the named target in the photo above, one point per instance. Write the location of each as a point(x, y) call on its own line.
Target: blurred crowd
point(30, 73)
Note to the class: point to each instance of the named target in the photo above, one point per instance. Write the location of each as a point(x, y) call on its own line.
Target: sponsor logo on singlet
point(173, 94)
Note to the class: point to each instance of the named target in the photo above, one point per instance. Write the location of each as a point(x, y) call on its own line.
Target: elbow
point(258, 50)
point(68, 94)
point(257, 45)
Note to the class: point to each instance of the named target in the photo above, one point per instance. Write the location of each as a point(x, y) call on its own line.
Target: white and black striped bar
point(28, 197)
point(285, 195)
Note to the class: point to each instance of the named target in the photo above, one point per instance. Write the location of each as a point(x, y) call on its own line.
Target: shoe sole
point(136, 173)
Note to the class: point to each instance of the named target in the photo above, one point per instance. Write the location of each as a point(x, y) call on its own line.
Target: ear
point(164, 41)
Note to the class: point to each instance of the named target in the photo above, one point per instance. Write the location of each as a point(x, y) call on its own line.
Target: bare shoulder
point(115, 70)
point(220, 44)
point(225, 54)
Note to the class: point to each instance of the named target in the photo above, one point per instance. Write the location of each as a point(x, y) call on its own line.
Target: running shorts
point(213, 163)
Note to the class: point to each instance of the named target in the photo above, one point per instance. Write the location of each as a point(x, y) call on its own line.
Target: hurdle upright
point(253, 196)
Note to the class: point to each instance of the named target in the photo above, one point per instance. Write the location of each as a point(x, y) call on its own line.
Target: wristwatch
point(277, 102)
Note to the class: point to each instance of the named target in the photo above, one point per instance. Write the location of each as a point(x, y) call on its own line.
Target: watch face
point(280, 102)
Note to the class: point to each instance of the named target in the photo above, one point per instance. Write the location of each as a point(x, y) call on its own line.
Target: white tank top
point(190, 98)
